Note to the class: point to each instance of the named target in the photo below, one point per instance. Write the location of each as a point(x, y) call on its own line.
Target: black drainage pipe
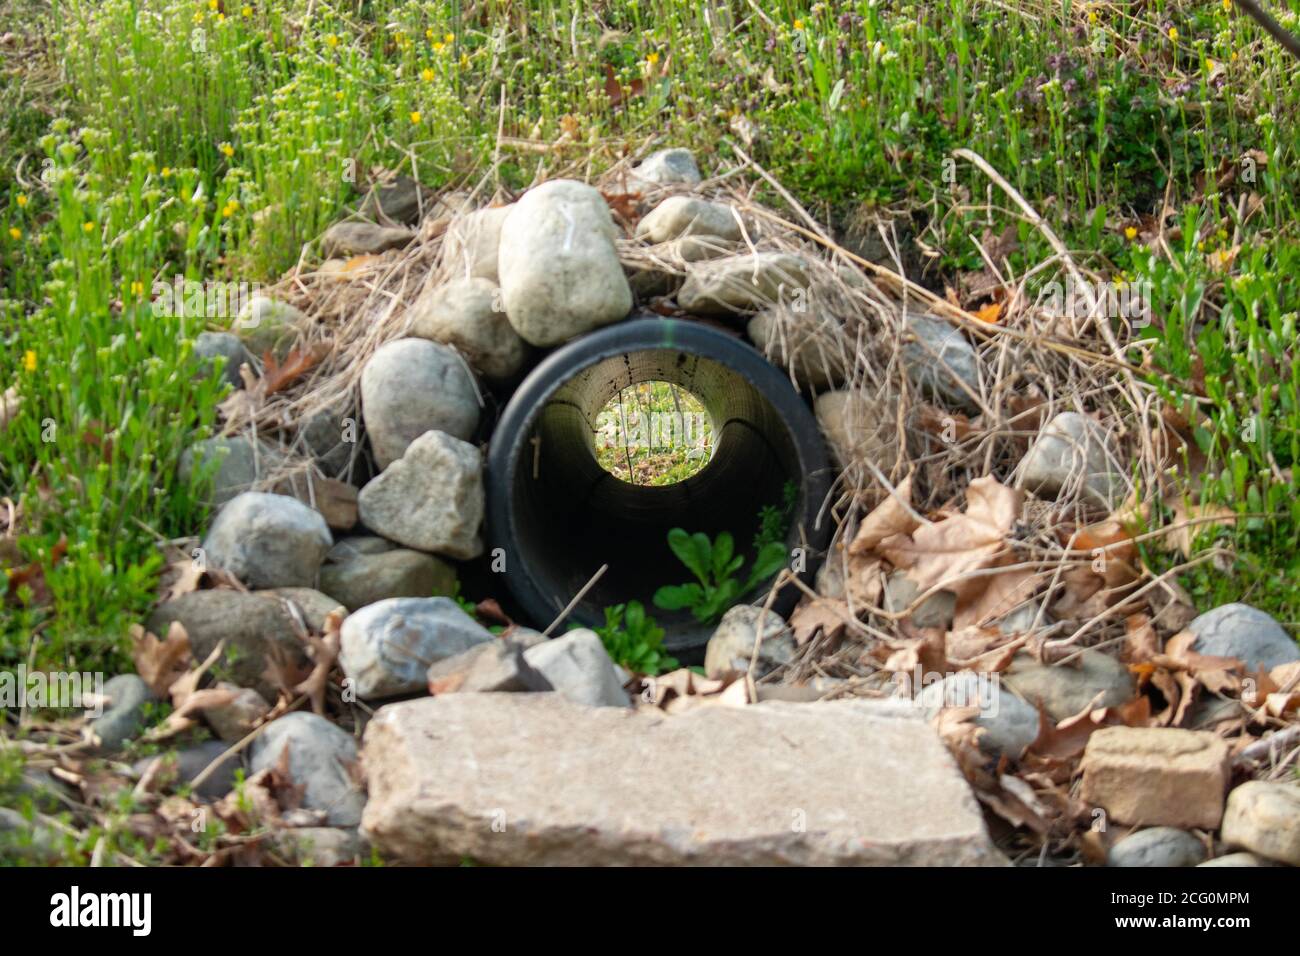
point(558, 516)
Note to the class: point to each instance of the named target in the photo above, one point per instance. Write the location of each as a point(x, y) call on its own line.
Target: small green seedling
point(714, 564)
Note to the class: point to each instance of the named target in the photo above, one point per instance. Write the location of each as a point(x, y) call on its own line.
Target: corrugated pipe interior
point(558, 515)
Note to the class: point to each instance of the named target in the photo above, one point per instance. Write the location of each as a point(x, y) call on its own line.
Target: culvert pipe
point(558, 515)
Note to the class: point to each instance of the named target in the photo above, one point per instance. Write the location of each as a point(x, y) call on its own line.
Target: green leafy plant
point(774, 520)
point(634, 640)
point(714, 564)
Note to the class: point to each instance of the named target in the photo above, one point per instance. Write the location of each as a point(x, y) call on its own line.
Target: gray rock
point(46, 793)
point(472, 242)
point(331, 435)
point(357, 545)
point(579, 668)
point(345, 239)
point(485, 668)
point(210, 346)
point(124, 715)
point(431, 498)
point(1071, 451)
point(319, 846)
point(365, 579)
point(1065, 690)
point(1210, 710)
point(940, 363)
point(732, 645)
point(268, 541)
point(234, 721)
point(519, 779)
point(235, 465)
point(312, 604)
point(523, 637)
point(253, 626)
point(1264, 818)
point(462, 313)
point(812, 349)
point(411, 386)
point(1157, 846)
point(859, 427)
point(1022, 619)
point(935, 611)
point(268, 325)
point(1246, 633)
point(744, 283)
point(668, 167)
point(386, 648)
point(559, 268)
point(679, 216)
point(182, 766)
point(322, 760)
point(398, 199)
point(1010, 725)
point(1238, 859)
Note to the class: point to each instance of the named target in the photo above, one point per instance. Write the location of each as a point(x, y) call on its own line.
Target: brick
point(1157, 776)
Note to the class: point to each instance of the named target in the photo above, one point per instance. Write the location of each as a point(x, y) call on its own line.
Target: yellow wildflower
point(1227, 6)
point(166, 172)
point(331, 41)
point(415, 117)
point(1130, 233)
point(652, 58)
point(227, 150)
point(449, 38)
point(213, 4)
point(15, 233)
point(439, 47)
point(798, 24)
point(1173, 33)
point(29, 360)
point(87, 227)
point(137, 288)
point(246, 10)
point(427, 75)
point(22, 200)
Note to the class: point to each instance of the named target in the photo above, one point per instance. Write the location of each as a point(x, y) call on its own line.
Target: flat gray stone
point(210, 346)
point(268, 541)
point(269, 325)
point(1065, 690)
point(680, 216)
point(1246, 633)
point(498, 666)
point(1071, 451)
point(399, 199)
point(182, 766)
point(362, 238)
point(743, 283)
point(320, 846)
point(386, 648)
point(468, 315)
point(1157, 846)
point(534, 779)
point(673, 166)
point(322, 760)
point(234, 721)
point(400, 572)
point(940, 363)
point(1010, 725)
point(811, 349)
point(578, 666)
point(935, 611)
point(233, 465)
point(731, 646)
point(430, 499)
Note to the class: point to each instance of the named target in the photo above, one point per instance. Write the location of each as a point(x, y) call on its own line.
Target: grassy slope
point(159, 138)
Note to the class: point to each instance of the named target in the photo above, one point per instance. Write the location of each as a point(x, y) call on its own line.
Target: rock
point(829, 582)
point(940, 363)
point(1156, 776)
point(1066, 689)
point(334, 500)
point(431, 498)
point(234, 721)
point(668, 167)
point(47, 793)
point(1072, 451)
point(235, 465)
point(1246, 633)
point(268, 541)
point(472, 242)
point(1023, 618)
point(520, 779)
point(815, 690)
point(461, 313)
point(935, 611)
point(322, 760)
point(744, 283)
point(523, 637)
point(1264, 817)
point(397, 199)
point(411, 386)
point(679, 216)
point(1208, 711)
point(485, 668)
point(319, 846)
point(386, 648)
point(36, 841)
point(559, 268)
point(312, 604)
point(365, 579)
point(1157, 846)
point(579, 668)
point(732, 645)
point(182, 766)
point(344, 239)
point(357, 545)
point(811, 348)
point(331, 435)
point(1010, 725)
point(268, 325)
point(210, 346)
point(1238, 859)
point(251, 624)
point(859, 427)
point(124, 714)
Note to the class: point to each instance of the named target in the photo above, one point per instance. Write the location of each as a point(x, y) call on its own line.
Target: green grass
point(151, 138)
point(653, 433)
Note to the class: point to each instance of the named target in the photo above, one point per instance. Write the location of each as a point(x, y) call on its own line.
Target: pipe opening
point(654, 433)
point(559, 515)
